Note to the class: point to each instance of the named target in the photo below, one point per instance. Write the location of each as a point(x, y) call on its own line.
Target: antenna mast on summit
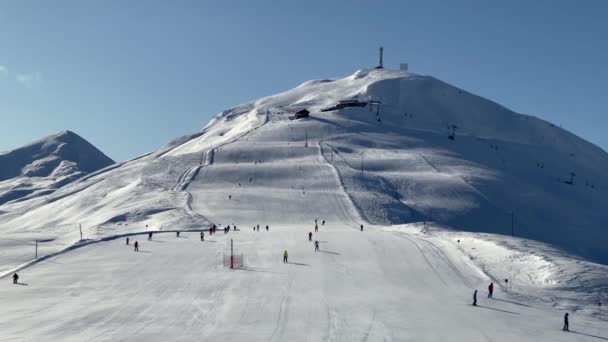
point(380, 59)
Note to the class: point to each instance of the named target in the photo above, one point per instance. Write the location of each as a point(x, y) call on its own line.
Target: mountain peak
point(50, 162)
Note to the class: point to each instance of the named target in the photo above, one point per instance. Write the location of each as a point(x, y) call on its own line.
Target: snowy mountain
point(499, 163)
point(439, 177)
point(45, 165)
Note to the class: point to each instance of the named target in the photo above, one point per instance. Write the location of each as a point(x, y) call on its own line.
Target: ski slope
point(375, 285)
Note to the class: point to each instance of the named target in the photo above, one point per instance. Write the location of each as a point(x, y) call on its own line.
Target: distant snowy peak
point(47, 164)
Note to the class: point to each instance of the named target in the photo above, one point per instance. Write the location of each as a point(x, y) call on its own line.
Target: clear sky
point(131, 75)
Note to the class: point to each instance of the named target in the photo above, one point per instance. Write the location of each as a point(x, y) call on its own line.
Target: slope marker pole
point(512, 223)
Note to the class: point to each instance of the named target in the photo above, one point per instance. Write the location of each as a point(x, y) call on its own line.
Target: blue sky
point(130, 75)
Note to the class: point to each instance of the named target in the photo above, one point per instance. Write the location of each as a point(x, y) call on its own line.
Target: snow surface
point(376, 285)
point(401, 279)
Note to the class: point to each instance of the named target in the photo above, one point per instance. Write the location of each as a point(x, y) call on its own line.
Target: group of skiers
point(202, 235)
point(490, 292)
point(257, 228)
point(213, 230)
point(285, 254)
point(136, 244)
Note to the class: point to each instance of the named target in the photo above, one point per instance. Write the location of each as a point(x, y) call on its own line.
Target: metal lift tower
point(380, 60)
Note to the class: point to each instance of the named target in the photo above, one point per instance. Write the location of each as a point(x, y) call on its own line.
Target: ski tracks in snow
point(420, 245)
point(283, 315)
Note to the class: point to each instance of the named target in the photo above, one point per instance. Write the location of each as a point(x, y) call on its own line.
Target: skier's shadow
point(140, 251)
point(507, 301)
point(297, 263)
point(328, 252)
point(22, 284)
point(487, 307)
point(580, 333)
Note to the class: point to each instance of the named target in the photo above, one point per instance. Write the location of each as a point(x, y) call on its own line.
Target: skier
point(15, 278)
point(316, 228)
point(361, 227)
point(229, 197)
point(315, 221)
point(490, 289)
point(202, 236)
point(136, 245)
point(177, 234)
point(323, 223)
point(127, 240)
point(566, 328)
point(254, 228)
point(150, 236)
point(475, 298)
point(258, 227)
point(309, 236)
point(267, 228)
point(316, 245)
point(285, 255)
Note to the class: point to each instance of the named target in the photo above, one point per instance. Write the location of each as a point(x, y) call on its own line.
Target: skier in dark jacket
point(202, 236)
point(316, 227)
point(267, 228)
point(490, 290)
point(127, 240)
point(150, 236)
point(566, 328)
point(136, 246)
point(15, 278)
point(309, 236)
point(475, 298)
point(361, 227)
point(316, 245)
